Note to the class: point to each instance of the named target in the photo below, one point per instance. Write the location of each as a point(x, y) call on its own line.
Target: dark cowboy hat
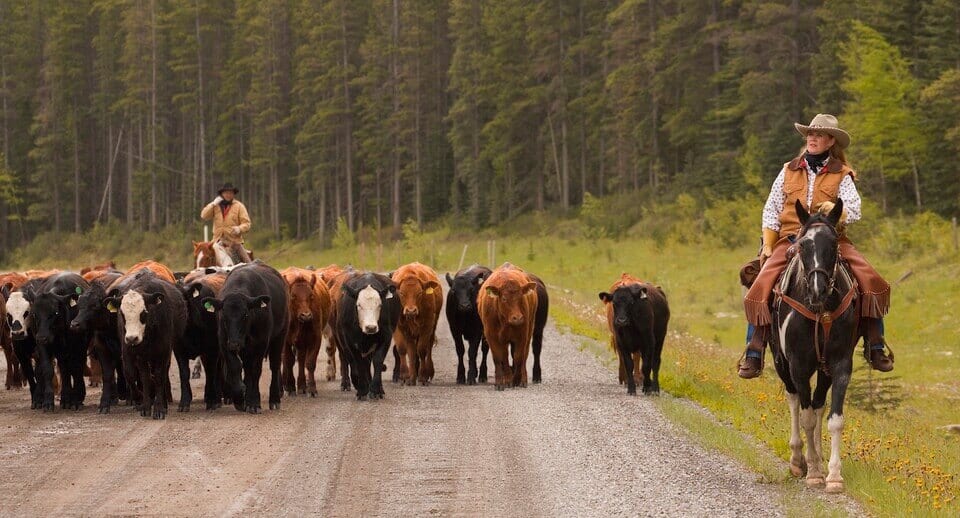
point(228, 187)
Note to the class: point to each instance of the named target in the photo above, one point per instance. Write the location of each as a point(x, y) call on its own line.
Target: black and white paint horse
point(816, 314)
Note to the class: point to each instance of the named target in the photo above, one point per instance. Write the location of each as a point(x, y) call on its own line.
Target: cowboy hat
point(828, 124)
point(228, 187)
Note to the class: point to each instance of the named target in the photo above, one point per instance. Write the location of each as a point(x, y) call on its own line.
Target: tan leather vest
point(826, 187)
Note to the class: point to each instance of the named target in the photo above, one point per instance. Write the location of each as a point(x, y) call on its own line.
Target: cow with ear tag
point(252, 316)
point(52, 308)
point(200, 339)
point(464, 321)
point(366, 316)
point(94, 317)
point(637, 314)
point(151, 318)
point(24, 346)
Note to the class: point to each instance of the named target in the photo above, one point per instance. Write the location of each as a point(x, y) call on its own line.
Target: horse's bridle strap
point(824, 319)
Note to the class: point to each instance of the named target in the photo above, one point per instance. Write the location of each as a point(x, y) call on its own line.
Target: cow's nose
point(411, 312)
point(464, 306)
point(370, 329)
point(131, 340)
point(516, 320)
point(75, 326)
point(306, 317)
point(620, 321)
point(233, 346)
point(16, 328)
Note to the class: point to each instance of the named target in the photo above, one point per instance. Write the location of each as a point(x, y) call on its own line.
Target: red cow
point(421, 298)
point(309, 303)
point(507, 303)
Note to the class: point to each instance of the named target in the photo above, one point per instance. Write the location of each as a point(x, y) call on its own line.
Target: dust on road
point(574, 445)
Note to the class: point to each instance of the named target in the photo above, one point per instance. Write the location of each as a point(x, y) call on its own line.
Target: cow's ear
point(391, 291)
point(112, 304)
point(258, 302)
point(431, 286)
point(29, 295)
point(802, 212)
point(836, 213)
point(192, 290)
point(313, 280)
point(528, 287)
point(493, 291)
point(449, 279)
point(153, 299)
point(606, 297)
point(638, 291)
point(6, 289)
point(211, 304)
point(390, 274)
point(353, 292)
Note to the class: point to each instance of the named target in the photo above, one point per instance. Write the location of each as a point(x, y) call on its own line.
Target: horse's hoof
point(798, 471)
point(834, 487)
point(814, 481)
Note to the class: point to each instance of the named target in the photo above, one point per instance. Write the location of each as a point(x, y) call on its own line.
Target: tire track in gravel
point(574, 445)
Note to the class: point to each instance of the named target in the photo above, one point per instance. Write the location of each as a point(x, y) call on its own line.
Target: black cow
point(367, 314)
point(639, 324)
point(539, 322)
point(201, 340)
point(151, 318)
point(464, 321)
point(51, 310)
point(24, 346)
point(252, 315)
point(94, 318)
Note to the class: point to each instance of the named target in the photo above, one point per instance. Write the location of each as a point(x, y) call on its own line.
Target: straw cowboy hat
point(828, 124)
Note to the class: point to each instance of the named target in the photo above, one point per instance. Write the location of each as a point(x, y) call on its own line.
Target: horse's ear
point(836, 213)
point(802, 212)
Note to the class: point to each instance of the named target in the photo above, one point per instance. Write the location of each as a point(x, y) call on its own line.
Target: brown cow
point(105, 266)
point(507, 303)
point(421, 298)
point(624, 280)
point(329, 275)
point(335, 282)
point(309, 301)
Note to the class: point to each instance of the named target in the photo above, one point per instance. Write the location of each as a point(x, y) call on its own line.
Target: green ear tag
point(208, 306)
point(79, 290)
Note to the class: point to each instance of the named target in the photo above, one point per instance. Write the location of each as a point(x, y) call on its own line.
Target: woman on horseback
point(817, 177)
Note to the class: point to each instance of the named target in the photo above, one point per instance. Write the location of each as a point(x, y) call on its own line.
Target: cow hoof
point(240, 407)
point(814, 481)
point(313, 393)
point(361, 397)
point(183, 408)
point(499, 388)
point(291, 393)
point(482, 379)
point(834, 487)
point(254, 410)
point(471, 381)
point(275, 406)
point(159, 414)
point(103, 410)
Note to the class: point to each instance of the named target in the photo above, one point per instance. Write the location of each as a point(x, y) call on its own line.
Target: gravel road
point(575, 445)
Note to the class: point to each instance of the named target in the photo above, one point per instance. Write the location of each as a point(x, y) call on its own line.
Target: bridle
point(823, 319)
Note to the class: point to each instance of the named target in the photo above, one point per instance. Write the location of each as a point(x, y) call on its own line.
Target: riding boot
point(875, 347)
point(751, 365)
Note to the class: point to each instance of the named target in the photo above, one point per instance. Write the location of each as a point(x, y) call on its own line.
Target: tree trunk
point(130, 178)
point(153, 114)
point(348, 109)
point(916, 180)
point(76, 173)
point(395, 91)
point(654, 104)
point(322, 226)
point(200, 112)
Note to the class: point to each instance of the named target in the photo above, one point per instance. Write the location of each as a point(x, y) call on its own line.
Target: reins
point(823, 319)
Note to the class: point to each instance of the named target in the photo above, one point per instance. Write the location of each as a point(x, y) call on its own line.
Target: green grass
point(897, 457)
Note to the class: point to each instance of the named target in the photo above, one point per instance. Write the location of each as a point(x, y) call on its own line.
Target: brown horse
point(210, 253)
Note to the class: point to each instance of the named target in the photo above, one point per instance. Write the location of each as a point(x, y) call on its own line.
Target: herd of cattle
point(129, 324)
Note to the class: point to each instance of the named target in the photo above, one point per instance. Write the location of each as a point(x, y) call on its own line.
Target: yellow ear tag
point(73, 303)
point(111, 307)
point(429, 291)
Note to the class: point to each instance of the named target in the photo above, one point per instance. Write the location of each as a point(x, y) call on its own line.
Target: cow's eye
point(143, 318)
point(26, 314)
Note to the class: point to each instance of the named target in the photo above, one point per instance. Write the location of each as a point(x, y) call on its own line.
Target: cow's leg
point(13, 373)
point(132, 376)
point(646, 358)
point(186, 393)
point(537, 347)
point(520, 365)
point(798, 464)
point(161, 374)
point(150, 390)
point(252, 370)
point(484, 349)
point(109, 370)
point(362, 382)
point(424, 358)
point(841, 372)
point(45, 372)
point(626, 363)
point(345, 366)
point(376, 385)
point(462, 376)
point(501, 364)
point(196, 370)
point(24, 352)
point(276, 393)
point(211, 387)
point(397, 365)
point(96, 371)
point(233, 372)
point(331, 360)
point(288, 357)
point(302, 367)
point(312, 358)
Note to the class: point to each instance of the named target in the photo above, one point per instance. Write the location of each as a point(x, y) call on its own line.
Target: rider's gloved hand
point(235, 231)
point(216, 201)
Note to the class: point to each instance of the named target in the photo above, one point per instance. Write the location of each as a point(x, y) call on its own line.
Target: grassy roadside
point(897, 456)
